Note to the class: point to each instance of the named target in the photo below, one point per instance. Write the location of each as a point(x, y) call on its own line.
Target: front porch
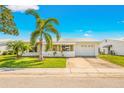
point(58, 50)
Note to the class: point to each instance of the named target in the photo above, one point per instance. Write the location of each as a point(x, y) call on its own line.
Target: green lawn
point(119, 60)
point(29, 62)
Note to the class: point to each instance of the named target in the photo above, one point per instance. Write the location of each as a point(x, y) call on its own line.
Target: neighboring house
point(109, 46)
point(76, 47)
point(3, 46)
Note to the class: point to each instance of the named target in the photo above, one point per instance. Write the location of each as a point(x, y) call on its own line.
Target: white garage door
point(85, 50)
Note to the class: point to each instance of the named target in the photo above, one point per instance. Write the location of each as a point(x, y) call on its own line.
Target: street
point(60, 82)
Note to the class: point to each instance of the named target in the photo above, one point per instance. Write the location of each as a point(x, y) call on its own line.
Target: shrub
point(10, 52)
point(4, 53)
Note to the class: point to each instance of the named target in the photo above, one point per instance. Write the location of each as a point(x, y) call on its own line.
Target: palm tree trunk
point(40, 51)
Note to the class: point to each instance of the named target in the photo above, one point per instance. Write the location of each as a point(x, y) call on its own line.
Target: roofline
point(113, 40)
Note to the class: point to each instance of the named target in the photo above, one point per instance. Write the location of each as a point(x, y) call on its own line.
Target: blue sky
point(99, 22)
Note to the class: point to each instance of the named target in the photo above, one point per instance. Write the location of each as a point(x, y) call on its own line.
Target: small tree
point(18, 47)
point(25, 47)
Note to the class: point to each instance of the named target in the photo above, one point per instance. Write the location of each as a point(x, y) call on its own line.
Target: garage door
point(84, 50)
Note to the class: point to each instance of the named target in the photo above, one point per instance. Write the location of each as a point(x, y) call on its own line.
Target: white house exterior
point(109, 46)
point(70, 48)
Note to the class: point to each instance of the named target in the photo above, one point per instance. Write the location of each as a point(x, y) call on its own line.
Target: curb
point(85, 75)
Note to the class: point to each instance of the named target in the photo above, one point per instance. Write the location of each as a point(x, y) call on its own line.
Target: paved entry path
point(93, 66)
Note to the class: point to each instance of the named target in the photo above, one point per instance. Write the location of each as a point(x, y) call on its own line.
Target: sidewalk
point(61, 72)
point(33, 71)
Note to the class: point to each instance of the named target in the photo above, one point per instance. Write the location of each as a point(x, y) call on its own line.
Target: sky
point(98, 22)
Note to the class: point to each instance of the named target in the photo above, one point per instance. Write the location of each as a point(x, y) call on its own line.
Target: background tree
point(25, 47)
point(7, 24)
point(43, 29)
point(18, 47)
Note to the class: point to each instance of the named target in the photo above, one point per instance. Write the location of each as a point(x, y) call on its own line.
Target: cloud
point(18, 8)
point(87, 35)
point(122, 21)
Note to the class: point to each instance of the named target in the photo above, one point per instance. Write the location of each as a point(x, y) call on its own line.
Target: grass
point(10, 61)
point(119, 60)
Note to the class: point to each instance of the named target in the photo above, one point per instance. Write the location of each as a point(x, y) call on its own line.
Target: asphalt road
point(60, 82)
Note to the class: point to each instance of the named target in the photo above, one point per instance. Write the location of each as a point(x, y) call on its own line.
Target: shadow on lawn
point(11, 63)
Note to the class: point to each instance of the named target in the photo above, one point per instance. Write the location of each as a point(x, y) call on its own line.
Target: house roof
point(74, 40)
point(63, 40)
point(107, 46)
point(5, 40)
point(118, 40)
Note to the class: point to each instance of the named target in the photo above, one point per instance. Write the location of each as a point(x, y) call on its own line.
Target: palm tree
point(18, 47)
point(7, 24)
point(43, 29)
point(25, 47)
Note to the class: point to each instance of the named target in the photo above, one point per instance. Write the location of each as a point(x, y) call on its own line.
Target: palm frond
point(48, 40)
point(52, 29)
point(34, 36)
point(51, 20)
point(32, 12)
point(35, 14)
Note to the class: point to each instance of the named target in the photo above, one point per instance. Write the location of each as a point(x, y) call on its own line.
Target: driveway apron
point(93, 66)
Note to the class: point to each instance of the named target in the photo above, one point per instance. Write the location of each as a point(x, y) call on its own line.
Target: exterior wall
point(117, 46)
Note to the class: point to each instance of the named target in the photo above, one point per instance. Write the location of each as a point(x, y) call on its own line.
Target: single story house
point(74, 47)
point(109, 46)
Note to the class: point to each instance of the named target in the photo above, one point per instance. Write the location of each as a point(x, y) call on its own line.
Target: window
point(67, 47)
point(89, 46)
point(62, 48)
point(56, 48)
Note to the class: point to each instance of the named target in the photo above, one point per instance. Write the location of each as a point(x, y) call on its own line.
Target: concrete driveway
point(93, 65)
